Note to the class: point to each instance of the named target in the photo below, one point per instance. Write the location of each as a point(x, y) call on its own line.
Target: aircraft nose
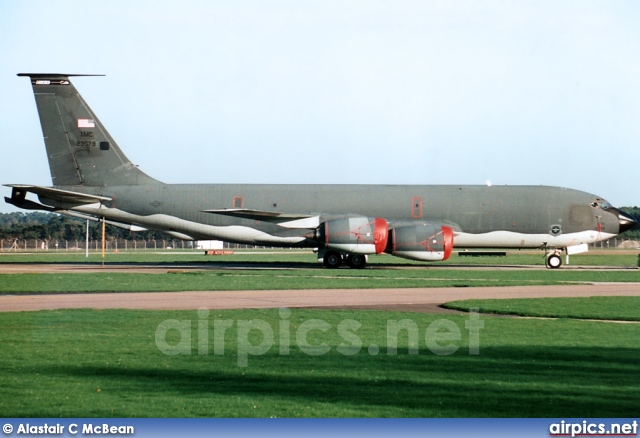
point(626, 220)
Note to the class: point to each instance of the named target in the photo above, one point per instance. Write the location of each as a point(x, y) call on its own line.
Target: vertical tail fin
point(79, 148)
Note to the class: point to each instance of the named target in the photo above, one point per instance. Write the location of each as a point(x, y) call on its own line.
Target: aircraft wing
point(20, 190)
point(286, 220)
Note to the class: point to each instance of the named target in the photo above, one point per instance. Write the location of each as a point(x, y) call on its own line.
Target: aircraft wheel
point(332, 260)
point(554, 261)
point(356, 261)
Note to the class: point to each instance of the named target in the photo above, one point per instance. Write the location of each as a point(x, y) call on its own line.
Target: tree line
point(51, 226)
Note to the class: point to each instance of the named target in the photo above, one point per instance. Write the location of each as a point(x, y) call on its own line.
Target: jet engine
point(354, 235)
point(426, 242)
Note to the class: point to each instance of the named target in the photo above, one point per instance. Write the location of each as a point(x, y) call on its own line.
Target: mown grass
point(86, 363)
point(218, 280)
point(304, 257)
point(610, 308)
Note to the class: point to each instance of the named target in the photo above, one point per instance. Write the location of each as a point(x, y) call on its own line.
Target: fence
point(31, 245)
point(113, 245)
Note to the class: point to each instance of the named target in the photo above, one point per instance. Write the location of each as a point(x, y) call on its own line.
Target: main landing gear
point(331, 259)
point(334, 259)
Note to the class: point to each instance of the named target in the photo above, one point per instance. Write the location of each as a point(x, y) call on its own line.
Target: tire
point(332, 260)
point(554, 261)
point(356, 261)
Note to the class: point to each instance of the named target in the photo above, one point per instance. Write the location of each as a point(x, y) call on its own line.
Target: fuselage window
point(601, 204)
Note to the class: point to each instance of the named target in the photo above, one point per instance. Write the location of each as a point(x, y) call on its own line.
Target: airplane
point(93, 178)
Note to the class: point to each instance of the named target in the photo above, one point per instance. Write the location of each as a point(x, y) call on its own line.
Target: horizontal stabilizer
point(27, 204)
point(59, 195)
point(286, 220)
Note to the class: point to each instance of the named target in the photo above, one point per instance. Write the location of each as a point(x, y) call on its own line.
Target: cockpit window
point(601, 204)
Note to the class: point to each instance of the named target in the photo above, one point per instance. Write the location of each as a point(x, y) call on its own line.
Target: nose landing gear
point(553, 260)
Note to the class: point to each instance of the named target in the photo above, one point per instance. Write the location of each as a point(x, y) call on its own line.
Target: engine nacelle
point(354, 235)
point(427, 242)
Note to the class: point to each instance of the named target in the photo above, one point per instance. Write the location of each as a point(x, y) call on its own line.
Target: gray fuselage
point(525, 213)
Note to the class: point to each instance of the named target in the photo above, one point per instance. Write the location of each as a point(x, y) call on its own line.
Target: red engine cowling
point(354, 235)
point(426, 242)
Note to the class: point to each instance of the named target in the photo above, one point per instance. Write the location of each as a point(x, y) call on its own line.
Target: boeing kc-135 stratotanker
point(92, 178)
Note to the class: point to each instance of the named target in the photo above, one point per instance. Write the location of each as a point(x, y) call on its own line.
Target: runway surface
point(418, 300)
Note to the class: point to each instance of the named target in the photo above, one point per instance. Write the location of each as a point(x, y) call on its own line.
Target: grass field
point(227, 273)
point(611, 308)
point(617, 258)
point(212, 280)
point(89, 363)
point(83, 363)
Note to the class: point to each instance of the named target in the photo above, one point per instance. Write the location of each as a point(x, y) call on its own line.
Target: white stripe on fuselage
point(242, 234)
point(509, 239)
point(163, 222)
